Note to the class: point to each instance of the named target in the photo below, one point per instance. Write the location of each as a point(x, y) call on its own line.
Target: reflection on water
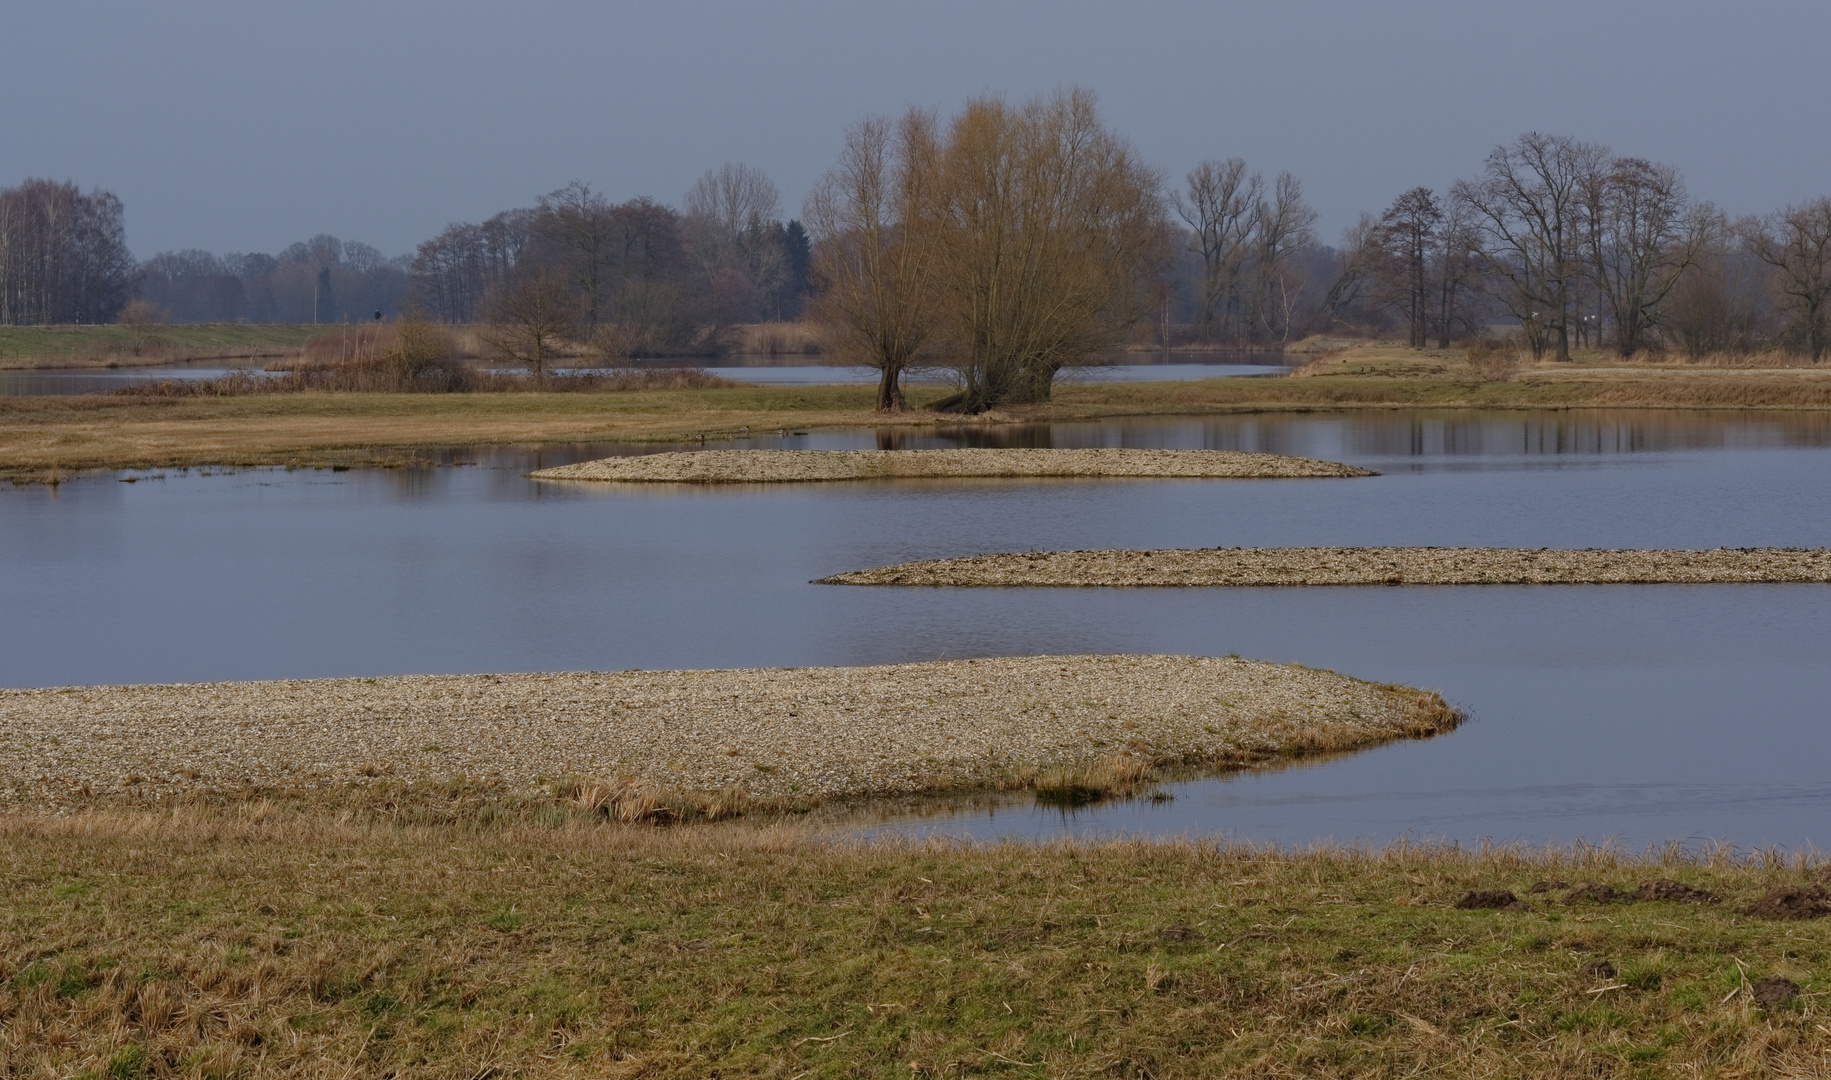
point(1642, 713)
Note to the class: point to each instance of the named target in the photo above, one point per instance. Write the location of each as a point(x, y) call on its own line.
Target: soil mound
point(1775, 992)
point(1600, 969)
point(1490, 899)
point(1792, 902)
point(1667, 889)
point(1595, 893)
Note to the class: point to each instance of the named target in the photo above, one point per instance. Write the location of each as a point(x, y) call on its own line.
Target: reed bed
point(245, 942)
point(802, 466)
point(778, 737)
point(1242, 567)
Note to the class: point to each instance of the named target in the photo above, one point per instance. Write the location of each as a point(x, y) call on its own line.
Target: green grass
point(51, 346)
point(235, 946)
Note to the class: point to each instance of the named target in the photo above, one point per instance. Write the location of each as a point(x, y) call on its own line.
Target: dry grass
point(1208, 567)
point(801, 466)
point(251, 943)
point(776, 339)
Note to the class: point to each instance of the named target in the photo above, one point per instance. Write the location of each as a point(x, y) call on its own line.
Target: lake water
point(1639, 714)
point(767, 370)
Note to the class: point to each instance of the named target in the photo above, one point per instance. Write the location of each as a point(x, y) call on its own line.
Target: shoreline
point(764, 738)
point(1343, 566)
point(49, 437)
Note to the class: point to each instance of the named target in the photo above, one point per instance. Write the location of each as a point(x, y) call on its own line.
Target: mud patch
point(1775, 992)
point(1595, 893)
point(1547, 886)
point(1599, 969)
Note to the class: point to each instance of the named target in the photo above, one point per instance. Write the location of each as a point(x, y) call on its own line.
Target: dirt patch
point(1595, 893)
point(1179, 932)
point(1490, 899)
point(1792, 902)
point(1254, 567)
point(1599, 969)
point(1667, 889)
point(807, 466)
point(1547, 886)
point(1774, 992)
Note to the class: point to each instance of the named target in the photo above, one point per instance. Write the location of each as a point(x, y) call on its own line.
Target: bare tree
point(1357, 265)
point(1219, 205)
point(872, 259)
point(581, 226)
point(63, 254)
point(1048, 232)
point(1796, 243)
point(1527, 211)
point(1717, 304)
point(1408, 243)
point(1281, 225)
point(530, 320)
point(1642, 234)
point(731, 226)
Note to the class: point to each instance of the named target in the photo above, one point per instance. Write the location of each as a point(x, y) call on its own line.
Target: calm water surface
point(1637, 714)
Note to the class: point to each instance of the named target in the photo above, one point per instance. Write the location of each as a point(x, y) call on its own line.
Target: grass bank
point(246, 942)
point(119, 345)
point(49, 436)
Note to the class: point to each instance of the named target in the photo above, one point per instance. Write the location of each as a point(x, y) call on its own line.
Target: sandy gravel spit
point(1360, 566)
point(800, 466)
point(780, 734)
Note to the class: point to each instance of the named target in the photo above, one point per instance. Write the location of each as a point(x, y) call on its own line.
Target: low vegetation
point(251, 942)
point(147, 344)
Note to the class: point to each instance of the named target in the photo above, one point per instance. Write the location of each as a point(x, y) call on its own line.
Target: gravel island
point(781, 735)
point(1210, 567)
point(802, 466)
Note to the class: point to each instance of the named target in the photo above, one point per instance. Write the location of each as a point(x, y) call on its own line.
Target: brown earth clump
point(757, 737)
point(1490, 899)
point(806, 466)
point(1667, 889)
point(1792, 902)
point(1547, 886)
point(1253, 567)
point(1600, 969)
point(1774, 992)
point(1595, 893)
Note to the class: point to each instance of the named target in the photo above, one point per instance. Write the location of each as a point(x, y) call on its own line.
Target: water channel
point(1634, 713)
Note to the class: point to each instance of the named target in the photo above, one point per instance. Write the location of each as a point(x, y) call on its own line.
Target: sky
point(233, 126)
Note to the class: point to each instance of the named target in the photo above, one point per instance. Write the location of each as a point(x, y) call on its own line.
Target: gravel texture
point(795, 466)
point(1359, 566)
point(776, 733)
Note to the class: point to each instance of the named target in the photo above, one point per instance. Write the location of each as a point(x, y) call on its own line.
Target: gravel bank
point(777, 734)
point(797, 466)
point(1360, 566)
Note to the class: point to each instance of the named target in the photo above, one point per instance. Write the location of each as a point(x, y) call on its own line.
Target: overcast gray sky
point(237, 126)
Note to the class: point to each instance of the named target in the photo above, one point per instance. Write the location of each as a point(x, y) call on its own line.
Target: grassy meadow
point(121, 345)
point(250, 941)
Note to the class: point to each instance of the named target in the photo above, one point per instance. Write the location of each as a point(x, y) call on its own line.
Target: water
point(1640, 714)
point(767, 370)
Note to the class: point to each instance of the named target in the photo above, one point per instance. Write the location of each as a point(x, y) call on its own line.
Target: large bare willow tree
point(1016, 241)
point(1048, 235)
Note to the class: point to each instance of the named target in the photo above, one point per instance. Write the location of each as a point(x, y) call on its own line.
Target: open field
point(725, 738)
point(801, 466)
point(250, 941)
point(1208, 567)
point(118, 345)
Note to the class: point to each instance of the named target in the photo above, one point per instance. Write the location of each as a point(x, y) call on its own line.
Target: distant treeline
point(1559, 242)
point(666, 279)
